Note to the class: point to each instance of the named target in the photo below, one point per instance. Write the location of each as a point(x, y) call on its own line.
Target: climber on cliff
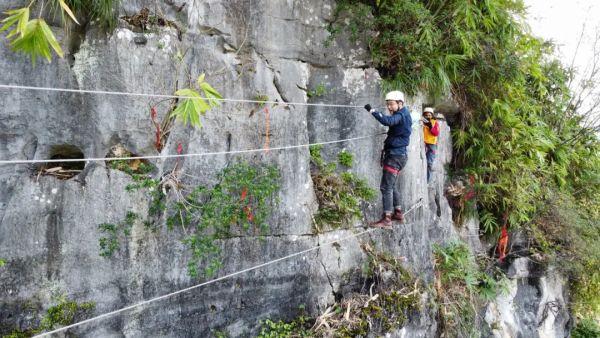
point(431, 130)
point(394, 155)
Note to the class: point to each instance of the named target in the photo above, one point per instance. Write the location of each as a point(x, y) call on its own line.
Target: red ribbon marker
point(503, 244)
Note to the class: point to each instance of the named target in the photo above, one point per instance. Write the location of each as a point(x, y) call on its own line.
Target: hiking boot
point(398, 215)
point(384, 223)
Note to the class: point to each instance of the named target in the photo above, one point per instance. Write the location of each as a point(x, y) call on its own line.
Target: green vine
point(242, 200)
point(110, 242)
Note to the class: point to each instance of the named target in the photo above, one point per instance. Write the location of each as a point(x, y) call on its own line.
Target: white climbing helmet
point(395, 96)
point(428, 110)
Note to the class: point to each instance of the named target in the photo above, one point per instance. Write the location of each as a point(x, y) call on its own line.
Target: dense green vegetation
point(102, 12)
point(519, 133)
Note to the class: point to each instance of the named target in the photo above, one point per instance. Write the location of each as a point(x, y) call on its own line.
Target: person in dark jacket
point(394, 155)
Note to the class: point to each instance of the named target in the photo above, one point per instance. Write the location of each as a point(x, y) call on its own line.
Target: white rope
point(164, 96)
point(98, 159)
point(108, 314)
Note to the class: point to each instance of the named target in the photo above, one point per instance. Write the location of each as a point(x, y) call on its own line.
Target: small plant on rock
point(65, 312)
point(193, 104)
point(110, 242)
point(345, 158)
point(339, 194)
point(319, 90)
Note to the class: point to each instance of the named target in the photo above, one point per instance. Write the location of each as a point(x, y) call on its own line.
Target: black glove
point(428, 124)
point(368, 107)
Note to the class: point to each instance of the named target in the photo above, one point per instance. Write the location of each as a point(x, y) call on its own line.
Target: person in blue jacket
point(393, 156)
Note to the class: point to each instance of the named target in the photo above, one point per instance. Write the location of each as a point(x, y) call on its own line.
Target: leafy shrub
point(345, 158)
point(299, 327)
point(243, 198)
point(566, 232)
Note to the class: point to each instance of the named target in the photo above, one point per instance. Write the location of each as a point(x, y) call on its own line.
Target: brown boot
point(384, 223)
point(398, 215)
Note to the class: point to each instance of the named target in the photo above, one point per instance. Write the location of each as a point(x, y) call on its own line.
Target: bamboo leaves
point(20, 17)
point(36, 40)
point(32, 37)
point(192, 104)
point(67, 10)
point(190, 108)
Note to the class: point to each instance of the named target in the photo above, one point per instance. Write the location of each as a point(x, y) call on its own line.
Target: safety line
point(97, 159)
point(164, 96)
point(108, 314)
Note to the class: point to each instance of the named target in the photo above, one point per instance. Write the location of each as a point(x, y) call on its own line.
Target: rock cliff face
point(247, 48)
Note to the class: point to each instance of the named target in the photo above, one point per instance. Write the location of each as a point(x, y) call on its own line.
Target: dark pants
point(430, 150)
point(392, 164)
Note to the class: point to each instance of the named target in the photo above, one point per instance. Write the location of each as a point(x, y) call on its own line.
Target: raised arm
point(387, 120)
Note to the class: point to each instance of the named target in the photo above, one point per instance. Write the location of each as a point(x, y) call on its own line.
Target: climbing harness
point(391, 169)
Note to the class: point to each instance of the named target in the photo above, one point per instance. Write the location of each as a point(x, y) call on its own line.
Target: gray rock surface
point(533, 306)
point(48, 227)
